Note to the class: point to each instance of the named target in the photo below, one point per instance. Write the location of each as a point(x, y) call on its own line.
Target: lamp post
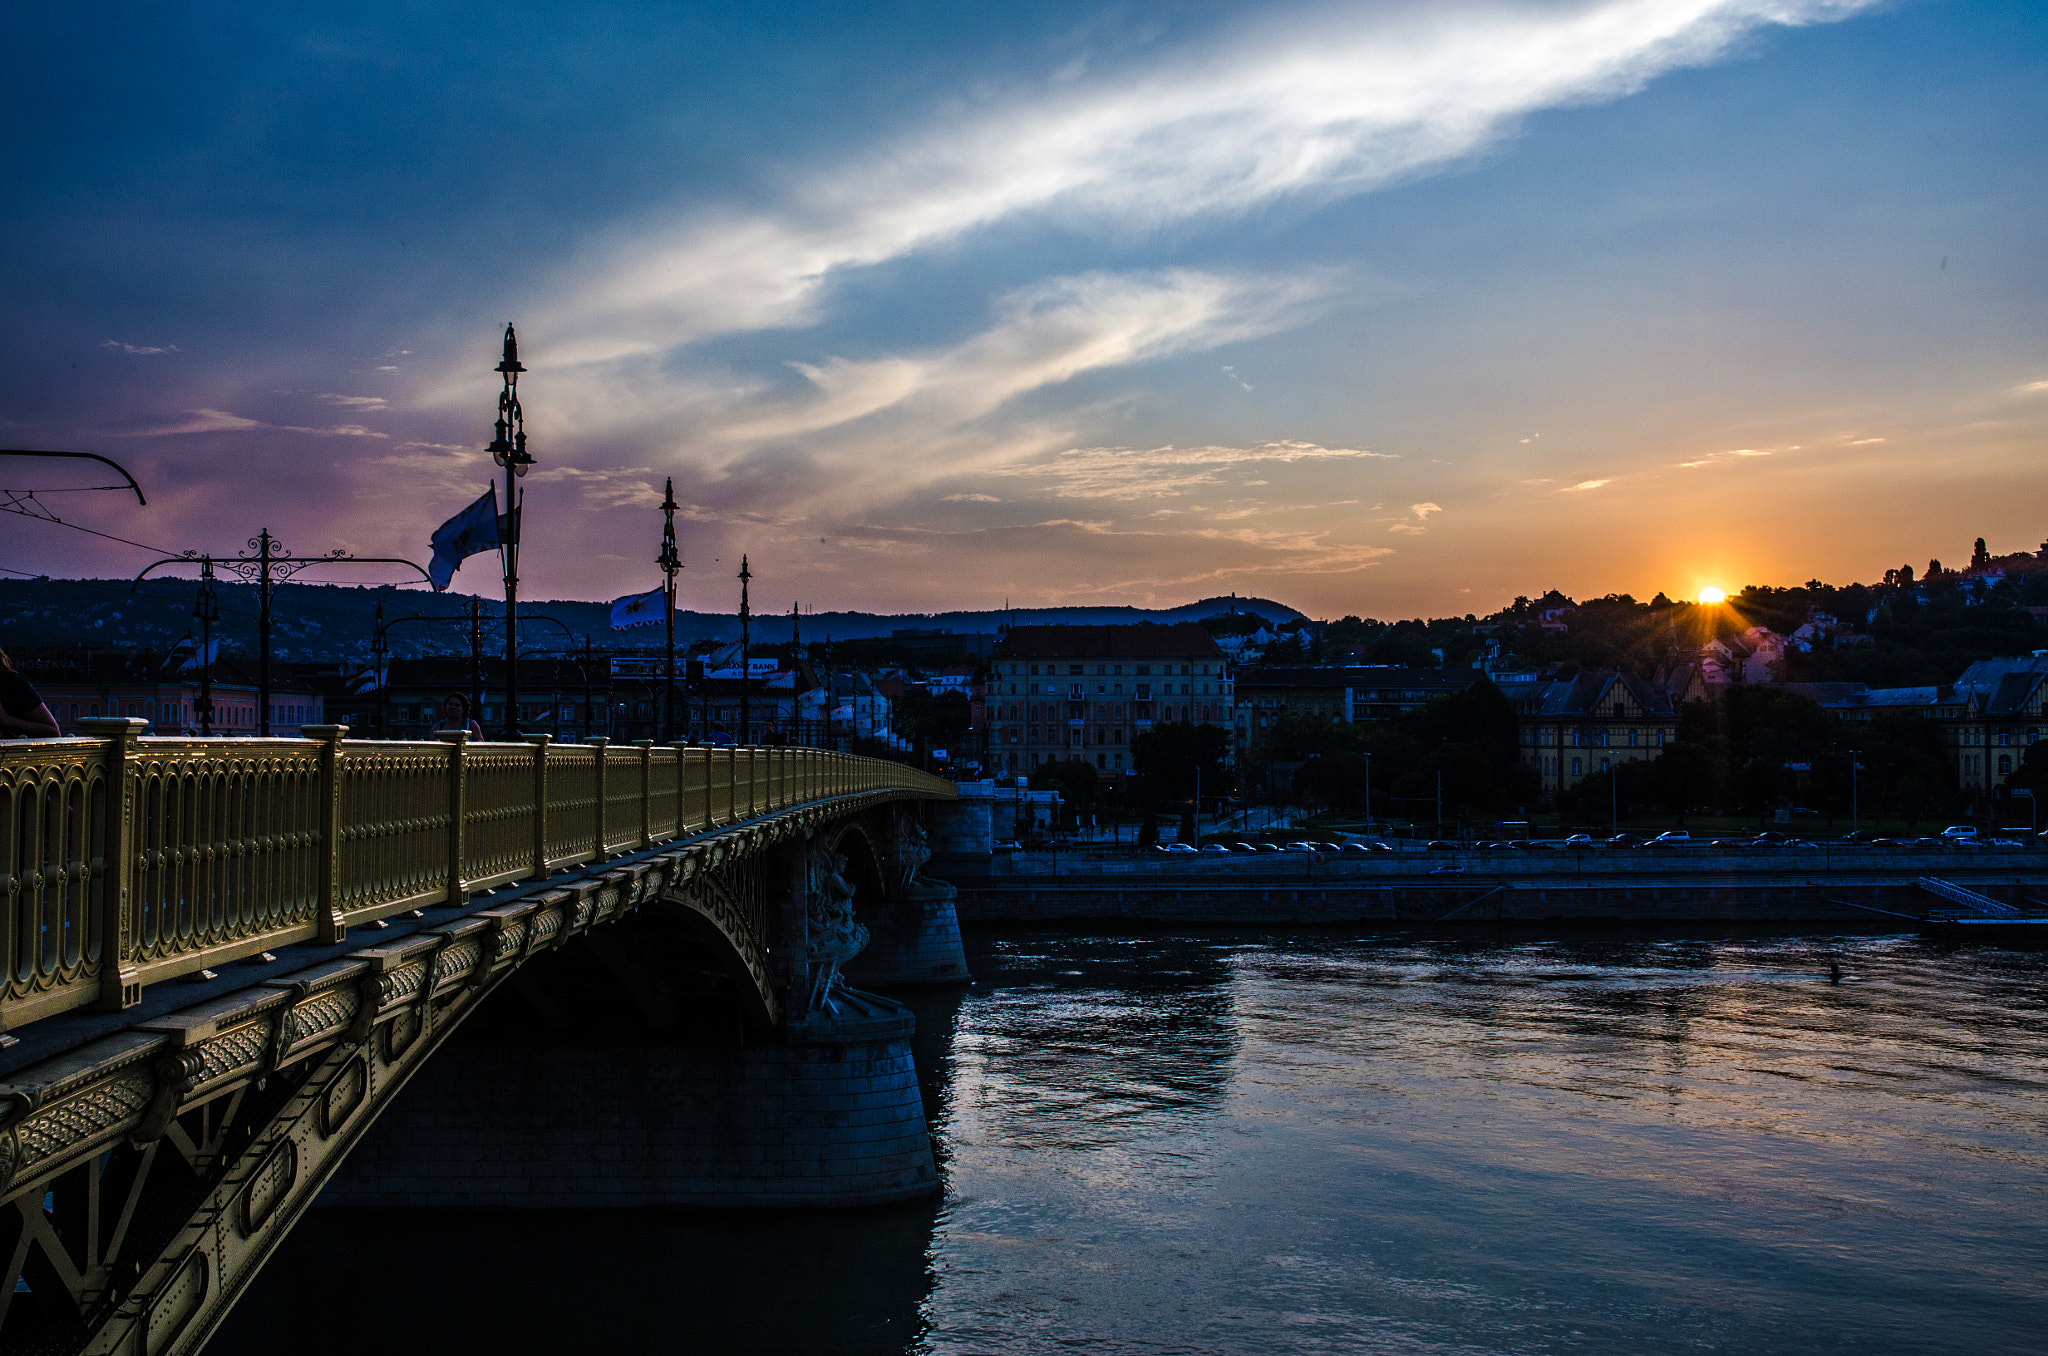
point(206, 610)
point(670, 563)
point(377, 648)
point(746, 670)
point(262, 570)
point(508, 449)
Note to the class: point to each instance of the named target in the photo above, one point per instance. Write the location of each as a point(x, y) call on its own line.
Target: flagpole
point(508, 449)
point(670, 562)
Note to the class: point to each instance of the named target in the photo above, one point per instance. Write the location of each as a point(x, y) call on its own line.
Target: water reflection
point(1316, 1142)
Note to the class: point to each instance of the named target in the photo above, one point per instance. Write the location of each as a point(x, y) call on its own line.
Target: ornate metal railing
point(125, 860)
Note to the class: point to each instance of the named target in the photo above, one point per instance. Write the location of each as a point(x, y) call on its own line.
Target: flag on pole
point(469, 532)
point(369, 680)
point(639, 609)
point(201, 656)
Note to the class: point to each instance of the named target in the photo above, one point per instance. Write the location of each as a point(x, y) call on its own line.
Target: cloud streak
point(1306, 113)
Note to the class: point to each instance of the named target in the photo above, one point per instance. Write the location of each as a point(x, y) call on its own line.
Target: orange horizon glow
point(1713, 595)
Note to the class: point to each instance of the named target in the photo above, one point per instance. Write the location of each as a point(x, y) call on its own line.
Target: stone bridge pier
point(657, 1064)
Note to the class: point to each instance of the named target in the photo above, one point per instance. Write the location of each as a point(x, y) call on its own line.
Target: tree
point(1334, 780)
point(1171, 758)
point(1073, 779)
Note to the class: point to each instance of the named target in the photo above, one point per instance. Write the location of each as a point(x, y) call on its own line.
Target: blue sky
point(1388, 309)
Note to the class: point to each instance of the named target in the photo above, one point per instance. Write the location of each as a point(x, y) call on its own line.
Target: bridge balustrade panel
point(394, 831)
point(623, 804)
point(226, 850)
point(572, 800)
point(53, 878)
point(664, 794)
point(126, 860)
point(497, 825)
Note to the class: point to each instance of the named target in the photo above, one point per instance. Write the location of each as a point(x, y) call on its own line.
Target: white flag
point(469, 532)
point(639, 609)
point(201, 658)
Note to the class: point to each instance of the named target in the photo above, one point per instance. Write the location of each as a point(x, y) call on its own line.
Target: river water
point(1319, 1142)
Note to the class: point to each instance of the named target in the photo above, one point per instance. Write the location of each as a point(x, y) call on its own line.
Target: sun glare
point(1712, 595)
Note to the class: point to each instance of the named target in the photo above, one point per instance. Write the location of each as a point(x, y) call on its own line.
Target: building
point(1572, 728)
point(1988, 717)
point(1085, 693)
point(81, 684)
point(1360, 694)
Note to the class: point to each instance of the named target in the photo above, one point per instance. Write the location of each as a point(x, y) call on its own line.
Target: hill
point(330, 621)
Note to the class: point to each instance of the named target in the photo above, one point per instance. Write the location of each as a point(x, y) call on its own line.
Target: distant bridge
point(225, 957)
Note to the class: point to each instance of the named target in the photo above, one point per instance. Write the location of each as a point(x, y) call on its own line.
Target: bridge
point(225, 959)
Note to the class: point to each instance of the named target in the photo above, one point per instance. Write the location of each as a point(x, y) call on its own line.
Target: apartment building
point(1085, 693)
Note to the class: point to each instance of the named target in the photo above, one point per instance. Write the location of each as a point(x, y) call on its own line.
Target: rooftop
point(1184, 640)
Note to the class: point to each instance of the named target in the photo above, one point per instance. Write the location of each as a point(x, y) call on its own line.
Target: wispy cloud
point(1583, 485)
point(1301, 112)
point(1043, 335)
point(355, 402)
point(1733, 454)
point(2026, 388)
point(1145, 473)
point(223, 421)
point(139, 350)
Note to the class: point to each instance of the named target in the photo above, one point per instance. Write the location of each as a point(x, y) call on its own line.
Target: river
point(1328, 1142)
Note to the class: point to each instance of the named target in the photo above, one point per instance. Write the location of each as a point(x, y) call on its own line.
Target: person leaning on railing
point(455, 716)
point(22, 712)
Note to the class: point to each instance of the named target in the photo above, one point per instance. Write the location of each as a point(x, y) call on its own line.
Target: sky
point(1386, 309)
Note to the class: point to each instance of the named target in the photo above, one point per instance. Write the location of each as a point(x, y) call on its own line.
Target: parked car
point(1217, 847)
point(1957, 832)
point(1672, 838)
point(1303, 846)
point(1439, 845)
point(1354, 849)
point(1180, 847)
point(1579, 840)
point(1533, 845)
point(1625, 840)
point(1377, 846)
point(1244, 847)
point(2007, 843)
point(1729, 843)
point(1006, 845)
point(1445, 870)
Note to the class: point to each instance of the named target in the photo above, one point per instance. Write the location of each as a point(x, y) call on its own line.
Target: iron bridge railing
point(126, 861)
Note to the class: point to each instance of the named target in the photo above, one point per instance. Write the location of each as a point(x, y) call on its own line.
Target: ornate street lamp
point(746, 669)
point(508, 449)
point(670, 562)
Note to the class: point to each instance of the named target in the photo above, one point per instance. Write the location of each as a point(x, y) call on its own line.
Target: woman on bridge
point(455, 716)
point(23, 714)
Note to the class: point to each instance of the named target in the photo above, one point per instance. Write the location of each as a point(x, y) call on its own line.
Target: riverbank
point(1861, 889)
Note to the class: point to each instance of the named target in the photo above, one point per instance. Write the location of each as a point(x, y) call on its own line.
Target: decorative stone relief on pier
point(913, 850)
point(835, 936)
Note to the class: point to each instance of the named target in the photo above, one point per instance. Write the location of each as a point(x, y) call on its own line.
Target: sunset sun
point(1713, 595)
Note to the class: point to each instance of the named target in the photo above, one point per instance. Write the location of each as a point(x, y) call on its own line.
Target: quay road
point(1865, 887)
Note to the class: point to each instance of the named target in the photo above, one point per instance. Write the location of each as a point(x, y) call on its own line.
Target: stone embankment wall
point(1865, 889)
